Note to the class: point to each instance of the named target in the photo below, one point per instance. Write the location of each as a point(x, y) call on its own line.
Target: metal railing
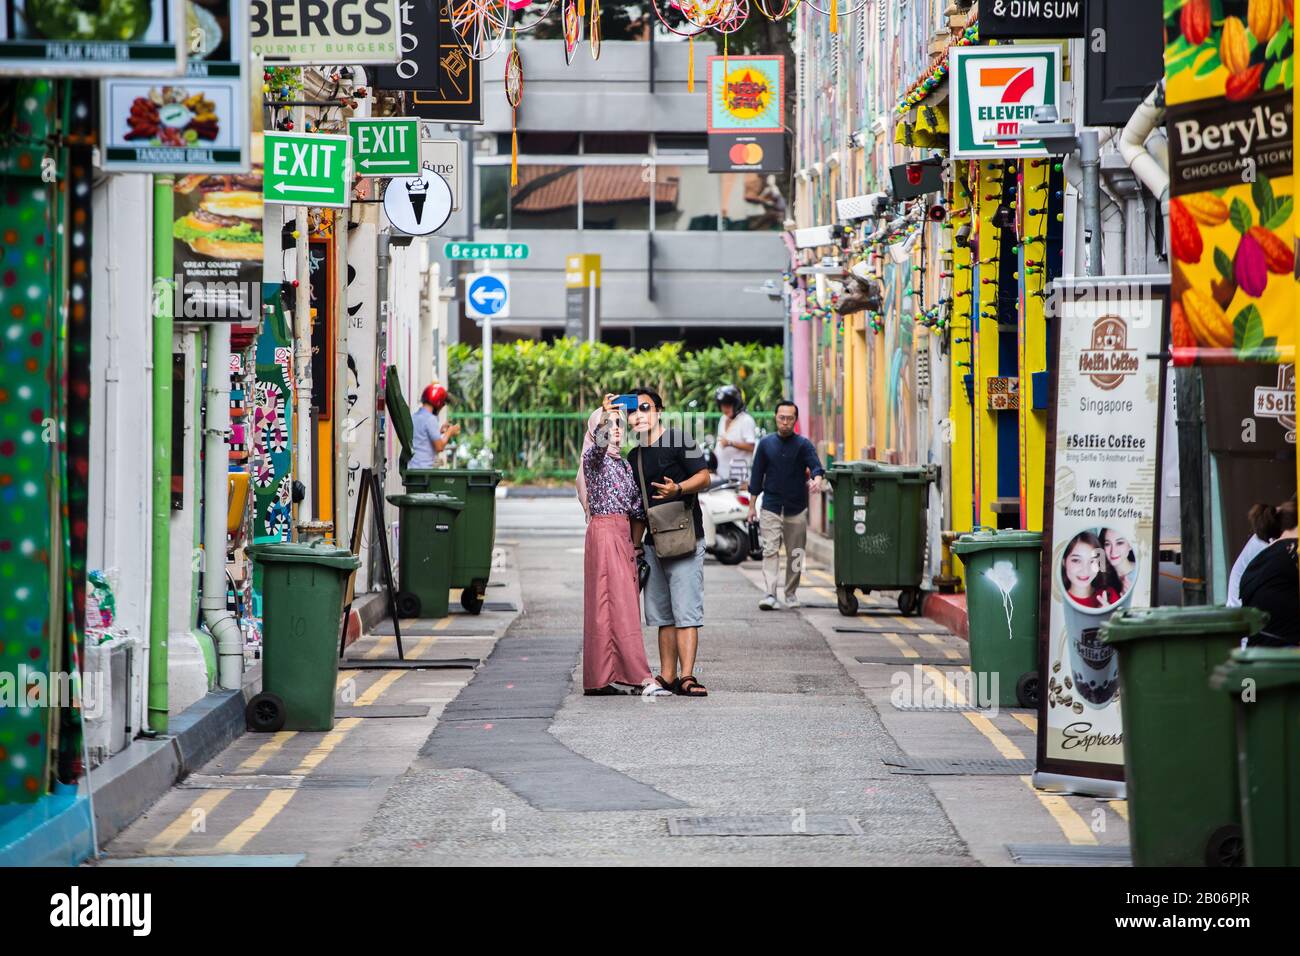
point(535, 445)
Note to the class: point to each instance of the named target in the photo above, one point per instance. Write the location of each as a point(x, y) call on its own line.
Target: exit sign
point(385, 147)
point(485, 250)
point(307, 169)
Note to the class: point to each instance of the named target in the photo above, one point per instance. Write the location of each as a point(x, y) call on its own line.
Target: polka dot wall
point(27, 447)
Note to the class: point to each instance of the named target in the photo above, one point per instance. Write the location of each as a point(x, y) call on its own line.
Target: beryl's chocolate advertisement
point(217, 237)
point(1100, 516)
point(1229, 88)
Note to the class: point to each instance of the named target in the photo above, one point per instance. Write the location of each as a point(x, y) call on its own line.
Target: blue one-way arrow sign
point(487, 295)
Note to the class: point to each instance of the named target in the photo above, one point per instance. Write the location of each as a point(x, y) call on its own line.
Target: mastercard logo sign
point(746, 154)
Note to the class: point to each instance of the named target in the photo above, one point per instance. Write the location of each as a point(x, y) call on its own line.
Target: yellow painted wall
point(960, 475)
point(861, 387)
point(988, 191)
point(1034, 195)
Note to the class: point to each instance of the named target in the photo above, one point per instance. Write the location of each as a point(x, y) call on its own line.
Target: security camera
point(857, 208)
point(962, 236)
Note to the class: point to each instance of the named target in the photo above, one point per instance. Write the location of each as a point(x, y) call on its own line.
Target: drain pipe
point(161, 479)
point(1132, 145)
point(216, 503)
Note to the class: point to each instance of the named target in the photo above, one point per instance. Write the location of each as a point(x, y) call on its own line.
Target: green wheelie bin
point(302, 615)
point(475, 524)
point(1264, 683)
point(879, 530)
point(1002, 587)
point(1180, 751)
point(425, 545)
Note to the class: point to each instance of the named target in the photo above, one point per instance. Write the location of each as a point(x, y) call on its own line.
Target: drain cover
point(489, 606)
point(1052, 854)
point(375, 710)
point(766, 824)
point(887, 629)
point(272, 781)
point(955, 661)
point(977, 767)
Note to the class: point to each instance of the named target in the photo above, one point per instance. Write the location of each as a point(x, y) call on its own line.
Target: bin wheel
point(471, 599)
point(909, 601)
point(264, 714)
point(1027, 689)
point(847, 601)
point(408, 604)
point(1226, 847)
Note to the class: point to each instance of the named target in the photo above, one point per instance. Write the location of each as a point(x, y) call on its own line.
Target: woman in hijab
point(613, 653)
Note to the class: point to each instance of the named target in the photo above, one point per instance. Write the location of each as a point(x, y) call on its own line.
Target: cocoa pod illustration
point(1277, 254)
point(1250, 267)
point(1194, 21)
point(1234, 46)
point(1184, 234)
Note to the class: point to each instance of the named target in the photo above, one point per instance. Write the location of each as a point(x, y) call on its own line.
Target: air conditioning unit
point(106, 697)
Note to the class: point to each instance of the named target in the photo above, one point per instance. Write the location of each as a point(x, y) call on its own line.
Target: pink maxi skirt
point(612, 648)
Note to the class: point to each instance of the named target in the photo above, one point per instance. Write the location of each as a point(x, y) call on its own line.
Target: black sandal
point(670, 686)
point(687, 686)
point(609, 690)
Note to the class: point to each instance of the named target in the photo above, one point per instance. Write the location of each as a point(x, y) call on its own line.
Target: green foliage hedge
point(571, 376)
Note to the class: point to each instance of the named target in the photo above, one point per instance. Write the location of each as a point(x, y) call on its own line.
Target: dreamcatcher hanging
point(571, 19)
point(514, 83)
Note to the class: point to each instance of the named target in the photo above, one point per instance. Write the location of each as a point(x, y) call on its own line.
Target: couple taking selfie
point(644, 526)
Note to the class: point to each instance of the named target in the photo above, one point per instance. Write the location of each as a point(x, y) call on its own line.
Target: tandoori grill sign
point(311, 31)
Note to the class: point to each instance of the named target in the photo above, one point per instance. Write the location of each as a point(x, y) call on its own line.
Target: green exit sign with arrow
point(307, 169)
point(386, 147)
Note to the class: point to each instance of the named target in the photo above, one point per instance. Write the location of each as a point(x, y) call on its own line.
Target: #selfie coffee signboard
point(125, 38)
point(1100, 515)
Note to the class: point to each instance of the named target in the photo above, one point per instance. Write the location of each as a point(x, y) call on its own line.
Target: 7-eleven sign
point(994, 90)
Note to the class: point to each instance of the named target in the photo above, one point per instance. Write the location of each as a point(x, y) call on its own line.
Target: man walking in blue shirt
point(785, 469)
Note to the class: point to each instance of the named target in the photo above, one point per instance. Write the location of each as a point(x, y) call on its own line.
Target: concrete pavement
point(793, 759)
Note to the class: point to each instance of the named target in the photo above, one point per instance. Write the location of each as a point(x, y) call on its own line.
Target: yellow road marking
point(1066, 817)
point(1029, 720)
point(996, 737)
point(328, 743)
point(937, 641)
point(381, 644)
point(266, 751)
point(266, 811)
point(1121, 808)
point(908, 624)
point(182, 826)
point(374, 691)
point(901, 645)
point(821, 574)
point(826, 593)
point(952, 694)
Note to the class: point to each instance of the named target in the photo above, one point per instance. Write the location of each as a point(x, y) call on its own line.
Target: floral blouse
point(611, 486)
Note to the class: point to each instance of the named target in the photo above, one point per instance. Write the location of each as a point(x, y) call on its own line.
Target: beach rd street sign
point(385, 147)
point(485, 250)
point(487, 295)
point(307, 169)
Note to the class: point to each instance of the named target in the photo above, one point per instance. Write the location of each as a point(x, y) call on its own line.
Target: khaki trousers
point(773, 529)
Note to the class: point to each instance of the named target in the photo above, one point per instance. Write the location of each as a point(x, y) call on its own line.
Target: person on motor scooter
point(737, 434)
point(428, 436)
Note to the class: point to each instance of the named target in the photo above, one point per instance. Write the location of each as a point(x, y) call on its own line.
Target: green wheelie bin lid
point(399, 413)
point(320, 553)
point(427, 499)
point(877, 470)
point(988, 539)
point(1266, 666)
point(1136, 624)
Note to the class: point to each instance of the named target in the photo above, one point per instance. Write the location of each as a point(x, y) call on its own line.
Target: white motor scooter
point(726, 529)
point(725, 509)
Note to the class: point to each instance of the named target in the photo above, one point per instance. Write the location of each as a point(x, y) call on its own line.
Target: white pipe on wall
point(216, 502)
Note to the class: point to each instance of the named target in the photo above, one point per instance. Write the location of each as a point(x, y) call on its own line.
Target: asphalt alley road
point(792, 759)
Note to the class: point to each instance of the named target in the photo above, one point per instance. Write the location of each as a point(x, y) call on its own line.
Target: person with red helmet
point(428, 436)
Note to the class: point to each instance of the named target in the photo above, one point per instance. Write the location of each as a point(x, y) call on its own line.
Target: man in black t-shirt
point(674, 468)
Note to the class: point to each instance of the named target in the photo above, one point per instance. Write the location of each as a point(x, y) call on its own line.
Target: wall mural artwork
point(27, 446)
point(270, 456)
